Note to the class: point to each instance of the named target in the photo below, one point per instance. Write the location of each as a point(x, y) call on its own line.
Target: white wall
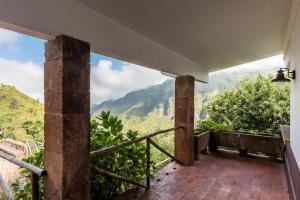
point(292, 59)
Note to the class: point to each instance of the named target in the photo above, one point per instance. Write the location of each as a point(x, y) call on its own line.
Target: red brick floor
point(218, 176)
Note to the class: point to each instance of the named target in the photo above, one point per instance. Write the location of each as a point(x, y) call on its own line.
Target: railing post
point(148, 162)
point(34, 186)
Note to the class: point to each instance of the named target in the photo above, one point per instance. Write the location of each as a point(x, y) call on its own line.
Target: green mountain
point(17, 108)
point(160, 97)
point(153, 108)
point(140, 103)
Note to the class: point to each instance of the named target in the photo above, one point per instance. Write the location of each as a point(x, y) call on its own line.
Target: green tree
point(14, 104)
point(34, 128)
point(130, 162)
point(5, 130)
point(22, 186)
point(253, 105)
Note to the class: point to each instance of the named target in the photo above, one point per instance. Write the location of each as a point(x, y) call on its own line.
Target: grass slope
point(17, 108)
point(139, 103)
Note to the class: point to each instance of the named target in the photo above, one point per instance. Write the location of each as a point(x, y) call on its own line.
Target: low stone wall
point(266, 144)
point(8, 170)
point(14, 148)
point(201, 142)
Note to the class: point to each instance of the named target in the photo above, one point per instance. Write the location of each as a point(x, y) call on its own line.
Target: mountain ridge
point(159, 98)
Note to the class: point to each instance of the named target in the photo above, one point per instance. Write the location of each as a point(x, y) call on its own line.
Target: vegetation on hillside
point(16, 110)
point(139, 103)
point(253, 105)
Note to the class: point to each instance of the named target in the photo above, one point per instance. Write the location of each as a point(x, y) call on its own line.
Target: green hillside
point(145, 110)
point(140, 103)
point(17, 108)
point(152, 108)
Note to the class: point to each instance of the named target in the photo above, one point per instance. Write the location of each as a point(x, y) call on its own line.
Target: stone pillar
point(184, 116)
point(67, 119)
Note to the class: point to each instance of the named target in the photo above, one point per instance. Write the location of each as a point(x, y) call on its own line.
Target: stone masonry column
point(67, 119)
point(184, 116)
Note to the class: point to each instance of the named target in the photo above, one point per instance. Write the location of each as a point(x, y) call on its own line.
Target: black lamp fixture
point(280, 77)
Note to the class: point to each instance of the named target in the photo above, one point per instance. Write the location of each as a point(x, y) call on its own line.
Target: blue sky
point(22, 65)
point(31, 48)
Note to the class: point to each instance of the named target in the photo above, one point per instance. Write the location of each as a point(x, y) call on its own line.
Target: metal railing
point(36, 171)
point(34, 178)
point(149, 141)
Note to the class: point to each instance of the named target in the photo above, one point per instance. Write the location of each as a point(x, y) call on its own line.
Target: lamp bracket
point(291, 74)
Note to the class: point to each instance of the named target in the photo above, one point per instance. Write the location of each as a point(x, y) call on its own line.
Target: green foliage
point(17, 108)
point(34, 129)
point(129, 162)
point(150, 124)
point(22, 187)
point(166, 141)
point(6, 131)
point(13, 104)
point(253, 105)
point(106, 130)
point(209, 124)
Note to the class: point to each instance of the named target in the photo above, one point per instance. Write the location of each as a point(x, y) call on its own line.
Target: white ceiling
point(176, 36)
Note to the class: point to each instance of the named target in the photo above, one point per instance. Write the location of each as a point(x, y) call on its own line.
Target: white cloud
point(108, 83)
point(9, 39)
point(27, 77)
point(270, 62)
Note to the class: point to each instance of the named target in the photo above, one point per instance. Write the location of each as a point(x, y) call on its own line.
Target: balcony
point(217, 176)
point(220, 173)
point(67, 141)
point(238, 165)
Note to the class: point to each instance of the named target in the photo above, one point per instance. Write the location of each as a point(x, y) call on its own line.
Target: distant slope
point(140, 103)
point(16, 108)
point(159, 99)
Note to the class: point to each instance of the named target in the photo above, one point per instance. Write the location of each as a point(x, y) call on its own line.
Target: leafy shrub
point(253, 105)
point(14, 104)
point(35, 129)
point(6, 131)
point(106, 130)
point(208, 124)
point(22, 186)
point(129, 162)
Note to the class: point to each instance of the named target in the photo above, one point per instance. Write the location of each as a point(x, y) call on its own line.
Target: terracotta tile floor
point(218, 176)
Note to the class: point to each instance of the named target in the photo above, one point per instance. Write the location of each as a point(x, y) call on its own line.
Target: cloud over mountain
point(27, 77)
point(108, 83)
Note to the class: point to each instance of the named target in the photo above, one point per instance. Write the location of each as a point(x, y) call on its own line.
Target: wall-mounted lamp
point(280, 77)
